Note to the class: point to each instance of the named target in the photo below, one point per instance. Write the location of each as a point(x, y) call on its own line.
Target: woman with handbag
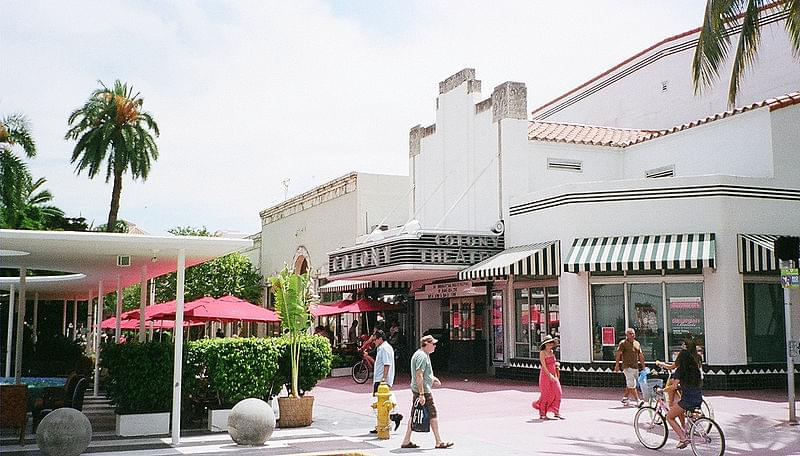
point(549, 383)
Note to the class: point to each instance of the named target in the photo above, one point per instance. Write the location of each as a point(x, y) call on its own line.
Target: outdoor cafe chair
point(14, 412)
point(76, 402)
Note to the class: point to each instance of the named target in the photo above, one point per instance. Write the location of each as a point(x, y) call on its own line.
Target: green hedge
point(139, 376)
point(222, 372)
point(217, 373)
point(315, 361)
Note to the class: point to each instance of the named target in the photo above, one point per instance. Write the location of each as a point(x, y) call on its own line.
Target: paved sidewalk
point(494, 417)
point(483, 416)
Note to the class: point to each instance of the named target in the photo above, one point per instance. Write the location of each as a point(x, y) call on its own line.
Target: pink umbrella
point(319, 310)
point(367, 305)
point(226, 308)
point(109, 323)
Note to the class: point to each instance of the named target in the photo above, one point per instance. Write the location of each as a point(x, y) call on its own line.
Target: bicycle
point(704, 434)
point(362, 370)
point(705, 406)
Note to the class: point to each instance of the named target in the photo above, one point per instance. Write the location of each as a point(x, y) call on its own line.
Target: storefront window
point(497, 326)
point(765, 323)
point(523, 319)
point(608, 319)
point(646, 315)
point(685, 316)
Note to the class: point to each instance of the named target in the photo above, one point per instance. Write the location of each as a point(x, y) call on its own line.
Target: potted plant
point(292, 298)
point(140, 386)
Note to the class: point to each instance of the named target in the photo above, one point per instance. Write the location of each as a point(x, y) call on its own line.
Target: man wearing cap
point(422, 381)
point(384, 370)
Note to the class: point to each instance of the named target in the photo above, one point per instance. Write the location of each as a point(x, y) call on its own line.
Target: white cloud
point(249, 93)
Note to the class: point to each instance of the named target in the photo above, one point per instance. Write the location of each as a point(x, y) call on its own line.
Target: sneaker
point(682, 444)
point(373, 431)
point(625, 400)
point(397, 418)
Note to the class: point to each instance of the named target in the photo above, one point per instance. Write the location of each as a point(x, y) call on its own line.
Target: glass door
point(537, 315)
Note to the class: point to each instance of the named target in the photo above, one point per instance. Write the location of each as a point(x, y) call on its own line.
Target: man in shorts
point(384, 371)
point(630, 352)
point(422, 381)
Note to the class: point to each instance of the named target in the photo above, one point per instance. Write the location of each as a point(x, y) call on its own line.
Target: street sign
point(790, 278)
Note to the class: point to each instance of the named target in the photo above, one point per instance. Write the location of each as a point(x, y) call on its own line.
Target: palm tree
point(14, 130)
point(35, 213)
point(715, 39)
point(112, 125)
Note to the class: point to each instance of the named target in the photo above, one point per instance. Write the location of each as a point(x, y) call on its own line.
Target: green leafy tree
point(14, 174)
point(715, 39)
point(35, 213)
point(113, 132)
point(231, 274)
point(121, 226)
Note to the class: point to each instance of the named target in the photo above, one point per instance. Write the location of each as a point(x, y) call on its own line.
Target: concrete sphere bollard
point(64, 432)
point(251, 422)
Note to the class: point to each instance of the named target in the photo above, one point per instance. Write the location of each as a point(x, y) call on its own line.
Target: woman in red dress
point(549, 384)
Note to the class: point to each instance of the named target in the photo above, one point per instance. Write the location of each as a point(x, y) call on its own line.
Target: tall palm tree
point(111, 125)
point(36, 214)
point(14, 130)
point(715, 39)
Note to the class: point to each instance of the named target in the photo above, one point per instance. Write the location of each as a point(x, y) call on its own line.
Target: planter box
point(218, 420)
point(137, 424)
point(295, 411)
point(341, 371)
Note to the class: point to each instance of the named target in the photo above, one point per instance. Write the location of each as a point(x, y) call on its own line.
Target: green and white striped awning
point(351, 285)
point(757, 252)
point(642, 253)
point(542, 259)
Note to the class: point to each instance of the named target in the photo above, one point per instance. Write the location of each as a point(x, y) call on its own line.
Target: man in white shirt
point(384, 370)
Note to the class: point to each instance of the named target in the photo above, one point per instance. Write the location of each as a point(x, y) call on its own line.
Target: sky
point(251, 94)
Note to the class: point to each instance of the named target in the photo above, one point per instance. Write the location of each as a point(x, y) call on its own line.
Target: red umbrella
point(226, 308)
point(109, 323)
point(319, 310)
point(229, 308)
point(367, 305)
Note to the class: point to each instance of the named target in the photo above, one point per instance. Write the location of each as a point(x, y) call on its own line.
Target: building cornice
point(314, 197)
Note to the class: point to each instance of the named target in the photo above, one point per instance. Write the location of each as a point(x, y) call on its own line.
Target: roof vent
point(123, 260)
point(664, 171)
point(565, 164)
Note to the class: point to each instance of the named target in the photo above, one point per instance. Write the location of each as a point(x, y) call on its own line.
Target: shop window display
point(537, 315)
point(646, 315)
point(608, 319)
point(765, 323)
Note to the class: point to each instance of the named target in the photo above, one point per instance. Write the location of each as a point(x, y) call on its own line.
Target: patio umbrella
point(226, 308)
point(230, 308)
point(367, 305)
point(320, 310)
point(133, 324)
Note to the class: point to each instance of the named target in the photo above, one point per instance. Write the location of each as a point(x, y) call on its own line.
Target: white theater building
point(628, 201)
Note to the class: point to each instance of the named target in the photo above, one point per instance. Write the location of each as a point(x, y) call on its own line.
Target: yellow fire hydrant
point(384, 406)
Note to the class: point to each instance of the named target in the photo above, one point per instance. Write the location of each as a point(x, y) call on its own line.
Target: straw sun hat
point(547, 339)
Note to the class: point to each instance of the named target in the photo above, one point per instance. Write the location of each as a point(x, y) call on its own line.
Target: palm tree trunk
point(115, 194)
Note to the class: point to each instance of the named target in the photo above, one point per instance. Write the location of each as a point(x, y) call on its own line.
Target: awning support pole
point(142, 303)
point(178, 340)
point(117, 313)
point(23, 273)
point(98, 317)
point(10, 331)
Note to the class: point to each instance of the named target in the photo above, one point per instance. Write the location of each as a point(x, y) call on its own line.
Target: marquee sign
point(442, 249)
point(450, 290)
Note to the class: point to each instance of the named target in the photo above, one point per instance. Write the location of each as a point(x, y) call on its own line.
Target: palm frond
point(793, 25)
point(713, 42)
point(15, 129)
point(749, 38)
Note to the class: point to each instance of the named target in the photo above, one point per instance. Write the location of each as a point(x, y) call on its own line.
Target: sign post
point(787, 251)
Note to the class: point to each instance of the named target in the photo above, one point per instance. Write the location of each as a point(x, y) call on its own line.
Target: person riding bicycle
point(688, 379)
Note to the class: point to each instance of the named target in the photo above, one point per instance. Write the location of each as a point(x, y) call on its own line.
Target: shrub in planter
point(139, 376)
point(222, 372)
point(315, 361)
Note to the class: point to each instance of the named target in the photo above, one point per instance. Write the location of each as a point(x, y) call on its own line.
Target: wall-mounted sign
point(790, 278)
point(428, 249)
point(450, 290)
point(686, 315)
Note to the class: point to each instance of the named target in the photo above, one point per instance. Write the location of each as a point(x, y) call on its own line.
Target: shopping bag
point(420, 418)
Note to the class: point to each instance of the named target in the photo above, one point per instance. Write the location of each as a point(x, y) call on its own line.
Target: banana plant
point(292, 297)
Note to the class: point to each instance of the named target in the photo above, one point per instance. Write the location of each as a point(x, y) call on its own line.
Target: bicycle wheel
point(707, 438)
point(707, 409)
point(360, 372)
point(651, 428)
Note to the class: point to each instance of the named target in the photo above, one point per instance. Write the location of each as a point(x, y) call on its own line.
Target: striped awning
point(757, 252)
point(642, 253)
point(542, 259)
point(352, 285)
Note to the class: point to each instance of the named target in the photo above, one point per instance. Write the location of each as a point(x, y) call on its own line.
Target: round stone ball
point(64, 432)
point(251, 422)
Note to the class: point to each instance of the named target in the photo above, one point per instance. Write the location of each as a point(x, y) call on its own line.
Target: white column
point(98, 317)
point(23, 273)
point(75, 318)
point(142, 303)
point(35, 317)
point(10, 333)
point(178, 339)
point(64, 320)
point(117, 312)
point(89, 320)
